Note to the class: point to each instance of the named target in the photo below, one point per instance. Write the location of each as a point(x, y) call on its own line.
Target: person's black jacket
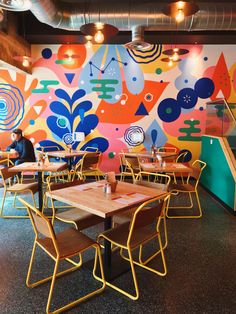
point(25, 149)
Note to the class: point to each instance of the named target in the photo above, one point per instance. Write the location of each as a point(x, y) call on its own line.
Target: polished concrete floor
point(201, 259)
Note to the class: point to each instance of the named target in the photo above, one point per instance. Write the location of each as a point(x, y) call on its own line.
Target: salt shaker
point(108, 191)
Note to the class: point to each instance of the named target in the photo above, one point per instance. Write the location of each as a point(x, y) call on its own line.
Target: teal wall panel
point(217, 176)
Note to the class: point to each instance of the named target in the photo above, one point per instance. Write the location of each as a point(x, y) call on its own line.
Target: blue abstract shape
point(86, 75)
point(187, 98)
point(62, 94)
point(141, 111)
point(89, 123)
point(59, 108)
point(134, 87)
point(57, 130)
point(85, 105)
point(64, 122)
point(204, 87)
point(70, 77)
point(154, 135)
point(169, 110)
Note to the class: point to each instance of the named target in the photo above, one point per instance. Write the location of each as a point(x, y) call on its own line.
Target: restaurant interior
point(128, 203)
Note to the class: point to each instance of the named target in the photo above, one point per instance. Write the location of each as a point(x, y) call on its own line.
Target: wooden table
point(175, 167)
point(91, 198)
point(34, 167)
point(147, 154)
point(67, 154)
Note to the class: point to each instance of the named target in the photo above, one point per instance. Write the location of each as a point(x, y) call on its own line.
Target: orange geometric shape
point(123, 111)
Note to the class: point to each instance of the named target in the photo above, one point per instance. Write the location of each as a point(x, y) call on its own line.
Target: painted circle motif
point(158, 71)
point(12, 107)
point(111, 155)
point(188, 157)
point(68, 139)
point(169, 110)
point(62, 122)
point(76, 52)
point(204, 87)
point(187, 98)
point(46, 53)
point(134, 135)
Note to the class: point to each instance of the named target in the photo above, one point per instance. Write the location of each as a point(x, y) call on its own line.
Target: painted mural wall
point(110, 94)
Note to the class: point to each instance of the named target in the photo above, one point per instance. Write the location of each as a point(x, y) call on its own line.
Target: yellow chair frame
point(16, 189)
point(127, 215)
point(180, 158)
point(190, 189)
point(143, 217)
point(82, 173)
point(43, 226)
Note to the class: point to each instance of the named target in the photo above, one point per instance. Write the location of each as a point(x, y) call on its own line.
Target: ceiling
point(164, 31)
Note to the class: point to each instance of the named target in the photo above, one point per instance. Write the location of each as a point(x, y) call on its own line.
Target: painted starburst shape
point(187, 98)
point(111, 71)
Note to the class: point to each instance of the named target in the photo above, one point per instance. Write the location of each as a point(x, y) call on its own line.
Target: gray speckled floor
point(201, 277)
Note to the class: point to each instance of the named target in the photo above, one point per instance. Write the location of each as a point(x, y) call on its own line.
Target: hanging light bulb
point(179, 16)
point(175, 56)
point(99, 37)
point(89, 42)
point(170, 63)
point(25, 62)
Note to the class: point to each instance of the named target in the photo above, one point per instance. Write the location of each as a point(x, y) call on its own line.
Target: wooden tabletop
point(91, 198)
point(147, 154)
point(169, 167)
point(66, 153)
point(9, 154)
point(33, 167)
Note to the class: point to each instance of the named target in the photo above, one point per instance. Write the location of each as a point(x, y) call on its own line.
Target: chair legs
point(57, 274)
point(198, 215)
point(132, 262)
point(134, 296)
point(159, 251)
point(14, 205)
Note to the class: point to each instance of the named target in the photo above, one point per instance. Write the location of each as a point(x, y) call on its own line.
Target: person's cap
point(17, 131)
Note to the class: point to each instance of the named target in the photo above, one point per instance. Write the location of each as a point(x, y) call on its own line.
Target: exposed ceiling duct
point(137, 42)
point(127, 14)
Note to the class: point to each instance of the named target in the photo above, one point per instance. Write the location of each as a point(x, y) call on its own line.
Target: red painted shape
point(124, 113)
point(221, 79)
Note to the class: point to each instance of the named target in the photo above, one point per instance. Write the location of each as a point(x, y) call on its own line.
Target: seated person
point(22, 146)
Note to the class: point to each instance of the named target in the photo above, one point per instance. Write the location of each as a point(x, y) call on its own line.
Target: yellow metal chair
point(62, 246)
point(76, 216)
point(17, 188)
point(190, 187)
point(88, 166)
point(126, 216)
point(143, 227)
point(131, 166)
point(180, 158)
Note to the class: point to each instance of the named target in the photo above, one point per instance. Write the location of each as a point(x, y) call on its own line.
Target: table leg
point(107, 247)
point(70, 162)
point(40, 190)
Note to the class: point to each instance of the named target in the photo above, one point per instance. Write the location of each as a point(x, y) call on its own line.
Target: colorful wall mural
point(110, 93)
